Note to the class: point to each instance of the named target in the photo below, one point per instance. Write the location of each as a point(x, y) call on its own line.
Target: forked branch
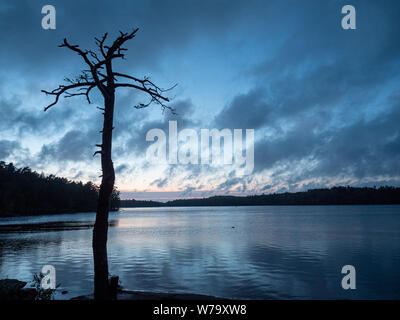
point(106, 81)
point(63, 89)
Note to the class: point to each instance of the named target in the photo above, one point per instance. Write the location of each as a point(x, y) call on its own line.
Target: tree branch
point(93, 67)
point(63, 89)
point(77, 50)
point(116, 46)
point(149, 91)
point(106, 81)
point(100, 44)
point(155, 96)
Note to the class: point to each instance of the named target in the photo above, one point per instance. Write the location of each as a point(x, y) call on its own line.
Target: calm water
point(272, 252)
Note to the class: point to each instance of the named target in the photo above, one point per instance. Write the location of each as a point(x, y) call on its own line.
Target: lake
point(263, 252)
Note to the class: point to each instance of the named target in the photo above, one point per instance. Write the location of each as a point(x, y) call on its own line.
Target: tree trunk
point(99, 243)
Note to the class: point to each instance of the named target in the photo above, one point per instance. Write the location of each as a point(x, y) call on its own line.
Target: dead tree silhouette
point(100, 75)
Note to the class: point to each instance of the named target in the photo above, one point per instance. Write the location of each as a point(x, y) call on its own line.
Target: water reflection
point(272, 252)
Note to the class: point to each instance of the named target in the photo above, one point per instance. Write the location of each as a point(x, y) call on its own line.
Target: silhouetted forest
point(132, 203)
point(26, 192)
point(332, 196)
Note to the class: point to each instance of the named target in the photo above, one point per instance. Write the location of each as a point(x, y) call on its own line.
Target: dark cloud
point(188, 191)
point(266, 187)
point(160, 183)
point(241, 184)
point(8, 148)
point(362, 149)
point(21, 118)
point(75, 146)
point(322, 100)
point(321, 97)
point(250, 111)
point(321, 69)
point(169, 24)
point(121, 168)
point(366, 148)
point(136, 140)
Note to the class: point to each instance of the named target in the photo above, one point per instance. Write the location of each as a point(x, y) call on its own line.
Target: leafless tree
point(100, 75)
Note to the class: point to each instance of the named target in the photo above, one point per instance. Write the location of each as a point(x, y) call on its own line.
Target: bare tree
point(100, 75)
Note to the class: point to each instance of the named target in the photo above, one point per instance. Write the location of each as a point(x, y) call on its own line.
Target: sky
point(323, 101)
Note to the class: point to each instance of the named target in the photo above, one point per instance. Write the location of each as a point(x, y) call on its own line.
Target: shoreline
point(199, 206)
point(132, 295)
point(14, 289)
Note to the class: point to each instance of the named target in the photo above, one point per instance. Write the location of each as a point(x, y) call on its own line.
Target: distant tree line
point(333, 196)
point(26, 192)
point(132, 203)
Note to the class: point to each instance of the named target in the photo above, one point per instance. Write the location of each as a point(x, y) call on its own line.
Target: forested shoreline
point(329, 196)
point(26, 192)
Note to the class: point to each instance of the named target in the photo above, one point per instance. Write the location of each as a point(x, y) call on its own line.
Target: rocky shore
point(13, 289)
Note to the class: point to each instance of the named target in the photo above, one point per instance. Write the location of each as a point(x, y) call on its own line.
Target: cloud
point(121, 168)
point(188, 191)
point(324, 104)
point(136, 140)
point(247, 111)
point(168, 25)
point(160, 183)
point(363, 149)
point(73, 146)
point(323, 101)
point(8, 148)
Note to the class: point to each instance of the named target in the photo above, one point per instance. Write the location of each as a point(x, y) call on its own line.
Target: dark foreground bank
point(13, 289)
point(124, 295)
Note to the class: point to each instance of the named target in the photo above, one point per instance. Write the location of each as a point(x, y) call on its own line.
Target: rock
point(13, 289)
point(28, 294)
point(11, 284)
point(84, 297)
